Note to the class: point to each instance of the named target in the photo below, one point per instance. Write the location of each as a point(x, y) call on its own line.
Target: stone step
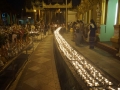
point(108, 49)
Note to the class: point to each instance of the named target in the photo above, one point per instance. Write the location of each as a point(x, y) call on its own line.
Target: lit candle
point(96, 84)
point(110, 83)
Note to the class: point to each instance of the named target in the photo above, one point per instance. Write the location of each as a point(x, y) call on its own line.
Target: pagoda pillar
point(116, 37)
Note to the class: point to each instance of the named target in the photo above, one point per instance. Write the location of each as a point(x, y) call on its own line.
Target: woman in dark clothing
point(92, 34)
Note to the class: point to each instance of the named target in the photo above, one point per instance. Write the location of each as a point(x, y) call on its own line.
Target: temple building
point(44, 55)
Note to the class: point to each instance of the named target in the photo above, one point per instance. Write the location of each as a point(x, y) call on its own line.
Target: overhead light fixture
point(34, 10)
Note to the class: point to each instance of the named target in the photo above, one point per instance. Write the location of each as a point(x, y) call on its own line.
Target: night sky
point(74, 2)
point(19, 4)
point(16, 4)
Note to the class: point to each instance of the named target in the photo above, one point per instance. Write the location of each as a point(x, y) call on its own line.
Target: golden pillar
point(35, 15)
point(42, 15)
point(39, 14)
point(66, 16)
point(98, 19)
point(116, 37)
point(49, 15)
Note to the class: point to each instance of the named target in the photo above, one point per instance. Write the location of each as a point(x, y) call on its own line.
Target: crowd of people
point(12, 40)
point(84, 33)
point(15, 37)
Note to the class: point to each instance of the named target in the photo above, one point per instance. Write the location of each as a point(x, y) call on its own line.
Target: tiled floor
point(40, 72)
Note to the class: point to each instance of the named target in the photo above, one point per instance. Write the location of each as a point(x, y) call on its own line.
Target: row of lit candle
point(86, 71)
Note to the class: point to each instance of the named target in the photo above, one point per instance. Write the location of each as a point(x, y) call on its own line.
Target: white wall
point(71, 16)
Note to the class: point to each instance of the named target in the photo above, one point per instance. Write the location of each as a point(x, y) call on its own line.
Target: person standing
point(77, 33)
point(81, 37)
point(93, 28)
